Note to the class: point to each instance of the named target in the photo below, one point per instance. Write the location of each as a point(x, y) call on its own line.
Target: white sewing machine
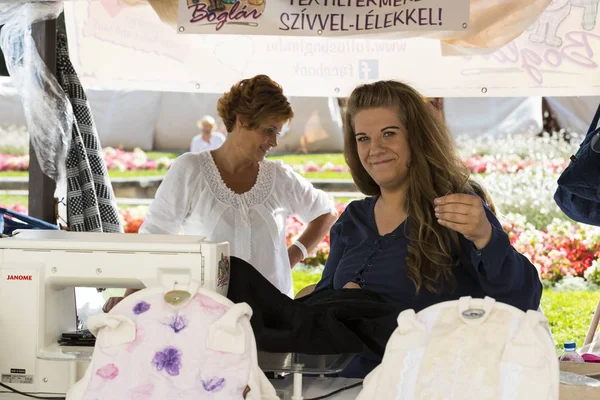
point(39, 271)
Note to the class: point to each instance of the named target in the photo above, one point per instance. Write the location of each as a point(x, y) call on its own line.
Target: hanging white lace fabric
point(48, 112)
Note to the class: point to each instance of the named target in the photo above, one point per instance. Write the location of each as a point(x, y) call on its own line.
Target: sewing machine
point(39, 271)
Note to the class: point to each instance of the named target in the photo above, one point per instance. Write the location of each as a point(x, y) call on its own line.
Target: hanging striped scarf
point(91, 205)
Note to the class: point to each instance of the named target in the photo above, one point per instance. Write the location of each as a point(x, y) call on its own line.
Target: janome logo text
point(19, 278)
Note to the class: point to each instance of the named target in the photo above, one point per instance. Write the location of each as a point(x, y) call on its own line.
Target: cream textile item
point(147, 349)
point(469, 349)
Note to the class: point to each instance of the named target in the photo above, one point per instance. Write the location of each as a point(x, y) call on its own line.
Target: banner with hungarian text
point(321, 17)
point(117, 47)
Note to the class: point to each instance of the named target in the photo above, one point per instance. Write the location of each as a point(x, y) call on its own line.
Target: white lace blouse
point(194, 200)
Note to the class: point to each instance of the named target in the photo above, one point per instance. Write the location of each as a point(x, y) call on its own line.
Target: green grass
point(155, 155)
point(304, 278)
point(136, 174)
point(336, 158)
point(8, 200)
point(327, 175)
point(569, 314)
point(14, 174)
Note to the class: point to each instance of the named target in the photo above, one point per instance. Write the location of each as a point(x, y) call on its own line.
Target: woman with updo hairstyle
point(234, 194)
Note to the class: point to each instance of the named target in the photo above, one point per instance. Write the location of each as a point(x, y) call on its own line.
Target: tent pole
point(41, 187)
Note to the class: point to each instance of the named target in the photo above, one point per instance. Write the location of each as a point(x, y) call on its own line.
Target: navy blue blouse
point(360, 254)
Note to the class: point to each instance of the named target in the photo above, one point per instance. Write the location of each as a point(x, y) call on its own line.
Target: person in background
point(209, 139)
point(424, 236)
point(235, 194)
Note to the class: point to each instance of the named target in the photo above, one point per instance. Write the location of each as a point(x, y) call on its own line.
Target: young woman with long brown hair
point(424, 235)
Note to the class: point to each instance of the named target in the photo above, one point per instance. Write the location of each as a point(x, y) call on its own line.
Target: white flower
point(328, 166)
point(139, 157)
point(109, 152)
point(163, 163)
point(570, 284)
point(14, 139)
point(592, 274)
point(119, 166)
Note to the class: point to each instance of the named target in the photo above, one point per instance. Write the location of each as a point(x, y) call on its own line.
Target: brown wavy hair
point(435, 170)
point(255, 100)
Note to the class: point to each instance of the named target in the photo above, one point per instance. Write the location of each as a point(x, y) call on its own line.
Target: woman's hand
point(352, 285)
point(464, 213)
point(315, 231)
point(306, 291)
point(295, 255)
point(110, 303)
point(113, 301)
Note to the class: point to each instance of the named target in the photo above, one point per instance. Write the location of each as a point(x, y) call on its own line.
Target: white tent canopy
point(574, 112)
point(494, 117)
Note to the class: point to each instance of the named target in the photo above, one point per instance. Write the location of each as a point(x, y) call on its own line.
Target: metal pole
point(42, 204)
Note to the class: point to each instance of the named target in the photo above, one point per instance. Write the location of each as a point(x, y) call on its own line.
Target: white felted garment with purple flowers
point(148, 350)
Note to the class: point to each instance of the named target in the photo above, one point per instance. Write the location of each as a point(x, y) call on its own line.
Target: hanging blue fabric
point(12, 220)
point(578, 193)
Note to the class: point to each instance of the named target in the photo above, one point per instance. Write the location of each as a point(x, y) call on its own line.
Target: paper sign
point(321, 17)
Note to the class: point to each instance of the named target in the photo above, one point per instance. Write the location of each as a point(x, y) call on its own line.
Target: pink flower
point(10, 162)
point(312, 167)
point(142, 392)
point(140, 332)
point(108, 372)
point(16, 207)
point(212, 305)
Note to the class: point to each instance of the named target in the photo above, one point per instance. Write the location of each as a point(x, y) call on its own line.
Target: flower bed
point(562, 249)
point(15, 207)
point(9, 162)
point(119, 160)
point(137, 160)
point(116, 160)
point(481, 157)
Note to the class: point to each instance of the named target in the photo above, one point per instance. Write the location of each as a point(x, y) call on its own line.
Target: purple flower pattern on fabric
point(178, 323)
point(141, 308)
point(169, 359)
point(213, 384)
